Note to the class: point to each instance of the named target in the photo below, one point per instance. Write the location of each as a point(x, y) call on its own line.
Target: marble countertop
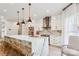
point(37, 42)
point(27, 38)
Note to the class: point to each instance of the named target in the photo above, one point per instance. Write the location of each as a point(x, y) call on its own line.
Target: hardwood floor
point(54, 51)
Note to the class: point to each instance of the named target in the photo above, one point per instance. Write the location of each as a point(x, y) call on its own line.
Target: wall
point(77, 18)
point(3, 27)
point(68, 22)
point(69, 16)
point(57, 22)
point(0, 28)
point(12, 28)
point(37, 23)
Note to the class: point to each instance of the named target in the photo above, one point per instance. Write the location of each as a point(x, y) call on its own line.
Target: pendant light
point(18, 18)
point(29, 20)
point(23, 22)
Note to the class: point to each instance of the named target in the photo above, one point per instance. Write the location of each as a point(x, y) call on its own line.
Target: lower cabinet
point(56, 40)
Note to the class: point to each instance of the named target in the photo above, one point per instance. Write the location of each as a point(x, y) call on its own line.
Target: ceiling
point(38, 10)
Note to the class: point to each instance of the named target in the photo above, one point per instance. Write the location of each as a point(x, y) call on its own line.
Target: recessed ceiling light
point(1, 17)
point(11, 3)
point(47, 11)
point(4, 10)
point(35, 15)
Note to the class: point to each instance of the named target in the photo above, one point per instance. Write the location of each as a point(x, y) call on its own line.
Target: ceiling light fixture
point(23, 22)
point(18, 18)
point(35, 15)
point(29, 20)
point(47, 11)
point(1, 17)
point(4, 10)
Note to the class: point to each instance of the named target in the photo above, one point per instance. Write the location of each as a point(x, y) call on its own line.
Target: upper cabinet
point(53, 22)
point(56, 23)
point(47, 22)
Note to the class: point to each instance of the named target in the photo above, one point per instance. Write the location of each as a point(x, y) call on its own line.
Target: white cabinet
point(56, 23)
point(56, 40)
point(53, 23)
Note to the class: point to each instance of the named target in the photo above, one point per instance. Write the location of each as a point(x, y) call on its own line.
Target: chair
point(72, 49)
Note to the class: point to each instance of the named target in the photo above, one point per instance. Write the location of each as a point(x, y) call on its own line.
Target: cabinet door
point(53, 24)
point(56, 23)
point(56, 40)
point(47, 22)
point(51, 40)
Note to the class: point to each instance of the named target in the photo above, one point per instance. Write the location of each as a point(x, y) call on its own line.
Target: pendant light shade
point(18, 18)
point(23, 22)
point(29, 20)
point(18, 23)
point(29, 4)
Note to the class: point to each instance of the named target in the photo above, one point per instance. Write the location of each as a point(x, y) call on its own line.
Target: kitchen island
point(38, 45)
